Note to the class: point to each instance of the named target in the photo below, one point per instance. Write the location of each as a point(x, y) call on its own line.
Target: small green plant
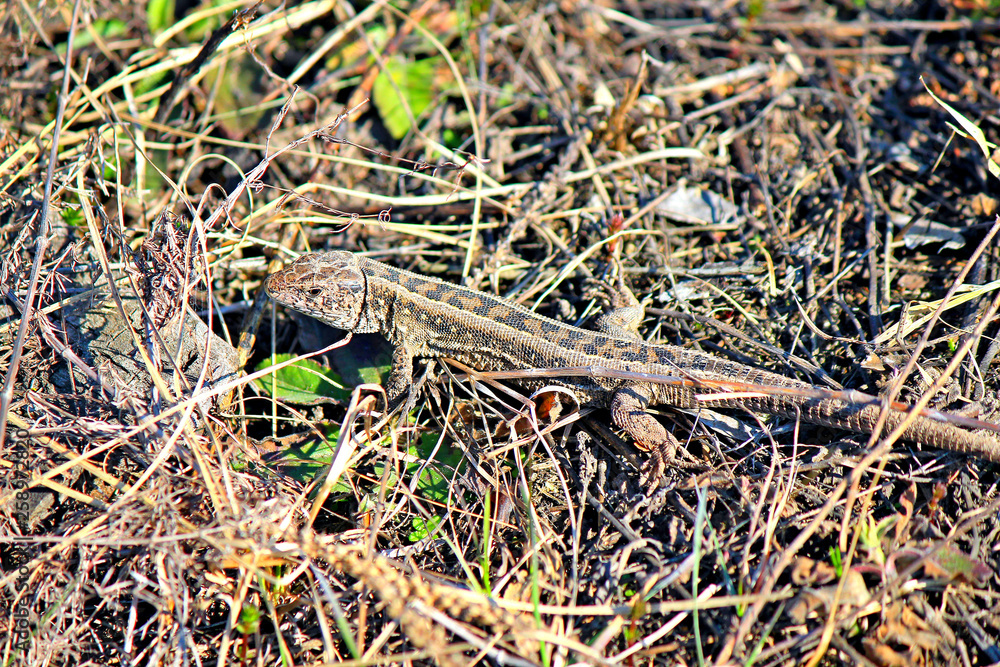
point(423, 528)
point(402, 80)
point(304, 382)
point(837, 560)
point(73, 217)
point(160, 15)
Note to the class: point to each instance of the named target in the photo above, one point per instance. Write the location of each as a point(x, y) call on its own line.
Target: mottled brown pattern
point(426, 317)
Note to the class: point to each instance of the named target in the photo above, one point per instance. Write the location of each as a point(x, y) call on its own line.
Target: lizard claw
point(651, 473)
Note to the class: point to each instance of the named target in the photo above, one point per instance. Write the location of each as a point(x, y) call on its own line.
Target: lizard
point(423, 317)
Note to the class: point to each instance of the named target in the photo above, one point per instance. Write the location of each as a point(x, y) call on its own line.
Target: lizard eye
point(314, 291)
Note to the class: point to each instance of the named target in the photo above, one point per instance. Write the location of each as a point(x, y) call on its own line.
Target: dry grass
point(159, 508)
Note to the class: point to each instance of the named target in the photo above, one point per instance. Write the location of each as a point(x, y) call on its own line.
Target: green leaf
point(202, 28)
point(949, 563)
point(363, 363)
point(452, 139)
point(422, 529)
point(354, 50)
point(435, 479)
point(106, 28)
point(402, 80)
point(159, 15)
point(73, 217)
point(871, 539)
point(249, 622)
point(479, 7)
point(837, 560)
point(433, 484)
point(304, 383)
point(110, 168)
point(148, 83)
point(305, 459)
point(238, 95)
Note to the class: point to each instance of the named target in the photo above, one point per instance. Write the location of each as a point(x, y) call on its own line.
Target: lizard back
point(427, 317)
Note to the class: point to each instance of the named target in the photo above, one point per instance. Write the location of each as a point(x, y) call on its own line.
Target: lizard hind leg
point(628, 411)
point(625, 313)
point(628, 405)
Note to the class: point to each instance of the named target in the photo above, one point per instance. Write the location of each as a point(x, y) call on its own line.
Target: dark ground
point(781, 187)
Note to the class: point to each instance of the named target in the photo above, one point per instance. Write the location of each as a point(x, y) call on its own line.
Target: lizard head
point(329, 286)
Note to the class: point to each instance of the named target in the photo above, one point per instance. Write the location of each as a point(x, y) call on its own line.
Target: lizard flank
point(425, 317)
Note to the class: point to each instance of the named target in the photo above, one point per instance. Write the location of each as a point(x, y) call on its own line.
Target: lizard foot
point(651, 473)
point(628, 411)
point(404, 398)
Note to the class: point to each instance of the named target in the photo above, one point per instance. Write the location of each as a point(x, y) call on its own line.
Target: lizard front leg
point(628, 411)
point(400, 380)
point(625, 314)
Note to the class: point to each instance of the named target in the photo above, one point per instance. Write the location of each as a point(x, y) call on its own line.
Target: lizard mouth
point(270, 283)
point(282, 281)
point(276, 281)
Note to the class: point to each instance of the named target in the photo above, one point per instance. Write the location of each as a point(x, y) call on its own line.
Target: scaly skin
point(426, 317)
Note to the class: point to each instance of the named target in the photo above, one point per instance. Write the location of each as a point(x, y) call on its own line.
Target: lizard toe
point(651, 473)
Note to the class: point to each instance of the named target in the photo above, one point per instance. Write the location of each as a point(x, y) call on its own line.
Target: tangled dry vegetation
point(780, 185)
